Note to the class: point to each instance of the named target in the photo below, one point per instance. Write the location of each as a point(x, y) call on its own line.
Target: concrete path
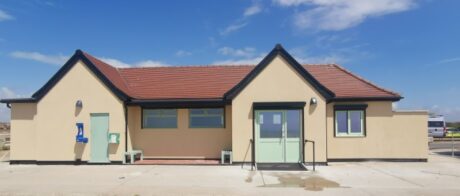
point(440, 176)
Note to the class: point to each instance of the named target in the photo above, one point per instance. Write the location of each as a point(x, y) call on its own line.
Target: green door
point(278, 135)
point(99, 138)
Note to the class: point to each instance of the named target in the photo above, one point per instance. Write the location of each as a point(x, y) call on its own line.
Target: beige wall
point(56, 117)
point(23, 136)
point(278, 82)
point(180, 142)
point(389, 135)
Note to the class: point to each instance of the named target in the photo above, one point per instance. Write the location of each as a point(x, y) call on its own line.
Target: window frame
point(206, 127)
point(146, 127)
point(348, 109)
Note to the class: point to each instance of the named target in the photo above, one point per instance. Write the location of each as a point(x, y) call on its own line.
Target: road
point(444, 145)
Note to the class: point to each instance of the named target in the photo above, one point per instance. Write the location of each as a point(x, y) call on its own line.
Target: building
point(194, 112)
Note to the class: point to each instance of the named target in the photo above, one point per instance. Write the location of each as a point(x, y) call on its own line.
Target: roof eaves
point(18, 100)
point(353, 99)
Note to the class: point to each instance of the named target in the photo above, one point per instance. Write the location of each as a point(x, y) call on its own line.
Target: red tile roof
point(183, 82)
point(345, 84)
point(210, 82)
point(110, 72)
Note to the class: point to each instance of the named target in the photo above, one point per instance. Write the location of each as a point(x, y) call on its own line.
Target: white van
point(437, 126)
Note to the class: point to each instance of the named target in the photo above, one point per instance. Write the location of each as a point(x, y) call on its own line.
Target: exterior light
point(313, 101)
point(79, 104)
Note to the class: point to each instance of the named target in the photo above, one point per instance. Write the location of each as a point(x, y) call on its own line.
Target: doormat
point(281, 166)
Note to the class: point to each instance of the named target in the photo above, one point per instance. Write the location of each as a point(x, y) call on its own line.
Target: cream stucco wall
point(180, 142)
point(23, 136)
point(278, 82)
point(56, 117)
point(389, 135)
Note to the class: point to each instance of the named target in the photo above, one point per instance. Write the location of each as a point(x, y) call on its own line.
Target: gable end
point(278, 50)
point(67, 66)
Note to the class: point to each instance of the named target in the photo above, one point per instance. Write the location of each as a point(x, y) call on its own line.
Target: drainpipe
point(126, 126)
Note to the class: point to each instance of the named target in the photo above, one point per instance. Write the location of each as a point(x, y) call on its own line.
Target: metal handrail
point(253, 163)
point(313, 142)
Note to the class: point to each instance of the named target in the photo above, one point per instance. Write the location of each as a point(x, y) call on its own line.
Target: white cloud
point(303, 56)
point(341, 14)
point(243, 52)
point(121, 64)
point(248, 56)
point(114, 62)
point(326, 59)
point(451, 60)
point(244, 61)
point(242, 21)
point(451, 114)
point(252, 10)
point(43, 58)
point(233, 27)
point(4, 111)
point(150, 63)
point(61, 59)
point(5, 16)
point(182, 53)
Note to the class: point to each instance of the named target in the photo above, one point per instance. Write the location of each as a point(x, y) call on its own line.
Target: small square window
point(349, 123)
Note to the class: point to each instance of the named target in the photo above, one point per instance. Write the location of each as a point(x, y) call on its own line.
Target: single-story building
point(265, 113)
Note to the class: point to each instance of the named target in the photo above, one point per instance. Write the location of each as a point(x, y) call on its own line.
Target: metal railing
point(313, 142)
point(253, 155)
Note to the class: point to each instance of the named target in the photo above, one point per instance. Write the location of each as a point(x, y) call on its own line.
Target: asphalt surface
point(444, 145)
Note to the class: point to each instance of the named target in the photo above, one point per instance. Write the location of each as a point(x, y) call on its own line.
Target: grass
point(454, 134)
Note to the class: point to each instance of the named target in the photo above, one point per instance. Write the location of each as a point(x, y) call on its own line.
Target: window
point(435, 124)
point(349, 122)
point(206, 118)
point(159, 118)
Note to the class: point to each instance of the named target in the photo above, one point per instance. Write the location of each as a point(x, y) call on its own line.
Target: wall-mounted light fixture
point(79, 104)
point(313, 101)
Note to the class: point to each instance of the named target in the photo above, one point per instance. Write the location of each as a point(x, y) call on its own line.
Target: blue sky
point(409, 46)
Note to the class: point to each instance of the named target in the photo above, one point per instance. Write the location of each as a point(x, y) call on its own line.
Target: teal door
point(99, 138)
point(278, 136)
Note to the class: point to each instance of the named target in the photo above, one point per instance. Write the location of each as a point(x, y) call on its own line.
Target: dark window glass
point(342, 121)
point(159, 118)
point(293, 120)
point(207, 118)
point(355, 121)
point(435, 124)
point(271, 125)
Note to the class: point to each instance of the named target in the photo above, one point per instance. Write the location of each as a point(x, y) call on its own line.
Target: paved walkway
point(440, 176)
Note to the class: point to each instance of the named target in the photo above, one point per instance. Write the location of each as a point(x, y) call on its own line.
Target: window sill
point(157, 128)
point(197, 128)
point(349, 136)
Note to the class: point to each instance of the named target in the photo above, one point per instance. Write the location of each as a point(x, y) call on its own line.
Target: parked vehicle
point(437, 126)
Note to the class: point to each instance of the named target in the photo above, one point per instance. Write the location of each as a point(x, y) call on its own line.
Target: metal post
point(453, 146)
point(314, 163)
point(313, 142)
point(252, 154)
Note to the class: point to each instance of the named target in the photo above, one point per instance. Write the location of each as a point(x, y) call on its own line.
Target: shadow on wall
point(113, 148)
point(78, 150)
point(312, 108)
point(77, 111)
point(22, 113)
point(247, 152)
